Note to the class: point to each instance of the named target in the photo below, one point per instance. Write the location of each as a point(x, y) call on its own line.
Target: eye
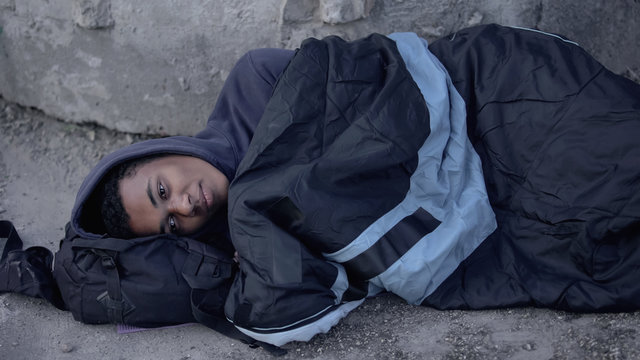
point(162, 191)
point(172, 224)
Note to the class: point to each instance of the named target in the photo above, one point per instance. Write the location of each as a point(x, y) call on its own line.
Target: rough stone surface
point(92, 14)
point(8, 4)
point(158, 66)
point(344, 11)
point(608, 29)
point(298, 10)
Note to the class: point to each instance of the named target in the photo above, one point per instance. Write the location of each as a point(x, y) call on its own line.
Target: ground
point(42, 163)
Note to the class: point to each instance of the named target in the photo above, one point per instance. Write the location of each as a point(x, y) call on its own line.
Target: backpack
point(147, 282)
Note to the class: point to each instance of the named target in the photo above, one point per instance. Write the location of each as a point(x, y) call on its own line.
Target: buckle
point(108, 262)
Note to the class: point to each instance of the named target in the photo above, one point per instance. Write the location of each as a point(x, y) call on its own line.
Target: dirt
point(42, 163)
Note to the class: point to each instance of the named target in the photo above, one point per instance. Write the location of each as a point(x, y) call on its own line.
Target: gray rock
point(92, 14)
point(344, 11)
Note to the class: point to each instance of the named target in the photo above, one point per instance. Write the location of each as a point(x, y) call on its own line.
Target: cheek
point(144, 223)
point(193, 224)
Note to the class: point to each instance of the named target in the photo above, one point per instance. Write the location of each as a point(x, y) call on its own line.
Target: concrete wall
point(157, 66)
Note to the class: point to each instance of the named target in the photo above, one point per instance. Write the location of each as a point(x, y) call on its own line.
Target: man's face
point(174, 193)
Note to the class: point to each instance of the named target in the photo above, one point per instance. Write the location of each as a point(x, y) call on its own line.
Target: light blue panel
point(448, 183)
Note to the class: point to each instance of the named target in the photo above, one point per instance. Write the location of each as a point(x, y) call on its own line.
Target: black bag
point(147, 282)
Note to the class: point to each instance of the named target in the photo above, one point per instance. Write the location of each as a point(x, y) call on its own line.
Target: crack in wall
point(538, 11)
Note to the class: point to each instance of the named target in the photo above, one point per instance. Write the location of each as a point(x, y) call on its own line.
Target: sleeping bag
point(355, 182)
point(558, 137)
point(379, 167)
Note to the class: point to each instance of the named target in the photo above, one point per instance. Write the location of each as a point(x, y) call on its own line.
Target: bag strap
point(112, 299)
point(208, 278)
point(27, 272)
point(225, 327)
point(103, 243)
point(107, 249)
point(9, 239)
point(107, 244)
point(200, 274)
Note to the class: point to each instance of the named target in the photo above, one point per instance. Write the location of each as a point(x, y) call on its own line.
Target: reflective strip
point(546, 33)
point(305, 332)
point(277, 329)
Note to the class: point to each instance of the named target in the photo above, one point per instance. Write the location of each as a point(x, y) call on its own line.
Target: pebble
point(2, 210)
point(475, 19)
point(10, 113)
point(66, 348)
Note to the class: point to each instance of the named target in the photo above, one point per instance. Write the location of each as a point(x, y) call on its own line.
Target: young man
point(169, 194)
point(361, 178)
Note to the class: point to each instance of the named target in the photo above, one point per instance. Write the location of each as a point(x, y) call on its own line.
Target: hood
point(222, 143)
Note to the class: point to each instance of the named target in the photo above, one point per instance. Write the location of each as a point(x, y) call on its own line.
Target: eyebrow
point(150, 194)
point(154, 203)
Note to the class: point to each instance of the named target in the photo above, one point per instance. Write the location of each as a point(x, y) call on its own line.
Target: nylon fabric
point(331, 143)
point(557, 136)
point(448, 183)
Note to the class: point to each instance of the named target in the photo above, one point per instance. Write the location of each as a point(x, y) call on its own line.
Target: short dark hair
point(114, 216)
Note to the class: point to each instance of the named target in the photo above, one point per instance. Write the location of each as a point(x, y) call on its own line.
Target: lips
point(208, 202)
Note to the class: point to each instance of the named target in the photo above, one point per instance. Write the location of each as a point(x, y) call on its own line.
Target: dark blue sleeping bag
point(327, 207)
point(558, 137)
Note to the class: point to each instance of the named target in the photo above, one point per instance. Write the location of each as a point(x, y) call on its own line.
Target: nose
point(182, 205)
